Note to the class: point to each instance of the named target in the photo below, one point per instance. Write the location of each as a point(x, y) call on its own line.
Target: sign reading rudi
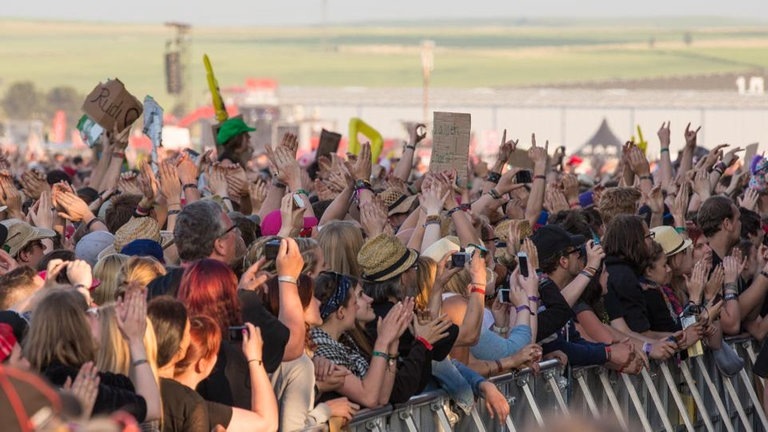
point(110, 105)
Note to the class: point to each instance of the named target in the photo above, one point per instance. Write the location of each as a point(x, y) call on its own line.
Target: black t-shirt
point(218, 414)
point(659, 316)
point(625, 298)
point(230, 381)
point(183, 409)
point(557, 312)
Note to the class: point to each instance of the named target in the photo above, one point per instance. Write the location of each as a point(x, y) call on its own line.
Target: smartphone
point(195, 156)
point(523, 176)
point(459, 259)
point(522, 263)
point(504, 295)
point(236, 333)
point(595, 239)
point(298, 203)
point(271, 248)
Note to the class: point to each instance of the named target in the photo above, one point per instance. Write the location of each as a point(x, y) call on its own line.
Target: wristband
point(498, 365)
point(591, 270)
point(424, 342)
point(410, 147)
point(494, 194)
point(139, 362)
point(587, 274)
point(118, 154)
point(521, 308)
point(731, 286)
point(173, 212)
point(533, 298)
point(539, 177)
point(500, 330)
point(647, 348)
point(680, 230)
point(608, 353)
point(288, 279)
point(730, 296)
point(90, 224)
point(477, 289)
point(494, 177)
point(259, 362)
point(383, 355)
point(301, 192)
point(189, 186)
point(647, 177)
point(664, 149)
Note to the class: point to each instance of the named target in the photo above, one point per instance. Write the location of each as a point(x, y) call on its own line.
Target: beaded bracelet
point(383, 355)
point(189, 186)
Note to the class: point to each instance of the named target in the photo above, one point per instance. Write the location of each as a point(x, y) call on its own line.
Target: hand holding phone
point(522, 263)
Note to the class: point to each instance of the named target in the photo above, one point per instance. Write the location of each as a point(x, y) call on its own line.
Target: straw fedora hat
point(385, 257)
point(138, 228)
point(396, 201)
point(672, 242)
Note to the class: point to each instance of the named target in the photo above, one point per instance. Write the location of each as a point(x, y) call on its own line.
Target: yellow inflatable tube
point(356, 126)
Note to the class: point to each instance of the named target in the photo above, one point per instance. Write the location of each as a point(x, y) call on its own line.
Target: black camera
point(460, 259)
point(236, 333)
point(271, 248)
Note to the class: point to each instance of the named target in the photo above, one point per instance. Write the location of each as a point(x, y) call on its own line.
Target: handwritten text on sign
point(450, 143)
point(110, 104)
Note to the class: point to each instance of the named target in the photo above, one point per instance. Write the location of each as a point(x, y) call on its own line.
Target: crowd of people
point(209, 293)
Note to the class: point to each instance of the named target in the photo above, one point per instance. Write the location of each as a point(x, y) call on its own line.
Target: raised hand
point(71, 206)
point(188, 171)
point(170, 184)
point(85, 388)
point(257, 192)
point(291, 143)
point(690, 136)
point(361, 169)
point(253, 279)
point(434, 330)
point(149, 185)
point(217, 181)
point(695, 283)
point(537, 154)
point(10, 197)
point(571, 188)
point(654, 200)
point(132, 315)
point(750, 199)
point(292, 218)
point(34, 183)
point(289, 261)
point(128, 183)
point(595, 254)
point(638, 162)
point(41, 212)
point(664, 135)
point(253, 344)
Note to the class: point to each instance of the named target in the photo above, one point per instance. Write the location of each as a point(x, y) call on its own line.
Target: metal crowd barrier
point(690, 395)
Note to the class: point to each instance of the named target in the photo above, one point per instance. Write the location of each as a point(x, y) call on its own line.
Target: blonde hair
point(307, 248)
point(618, 201)
point(426, 272)
point(107, 271)
point(114, 355)
point(59, 331)
point(340, 241)
point(141, 270)
point(459, 282)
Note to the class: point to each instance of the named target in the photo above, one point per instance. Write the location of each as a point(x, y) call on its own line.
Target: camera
point(523, 176)
point(460, 259)
point(504, 295)
point(271, 248)
point(236, 333)
point(298, 203)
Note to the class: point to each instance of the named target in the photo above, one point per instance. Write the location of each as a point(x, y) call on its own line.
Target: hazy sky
point(297, 12)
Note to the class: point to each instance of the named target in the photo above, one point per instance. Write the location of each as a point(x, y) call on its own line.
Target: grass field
point(487, 54)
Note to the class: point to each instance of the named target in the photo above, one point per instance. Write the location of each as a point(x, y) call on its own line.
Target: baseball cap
point(21, 234)
point(230, 128)
point(553, 239)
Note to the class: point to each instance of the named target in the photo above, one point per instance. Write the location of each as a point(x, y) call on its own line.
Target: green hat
point(230, 128)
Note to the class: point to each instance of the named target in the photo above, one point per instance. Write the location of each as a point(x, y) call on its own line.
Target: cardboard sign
point(110, 104)
point(450, 143)
point(329, 143)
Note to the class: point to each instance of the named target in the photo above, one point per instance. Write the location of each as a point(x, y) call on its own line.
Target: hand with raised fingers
point(289, 261)
point(132, 315)
point(664, 135)
point(432, 331)
point(257, 192)
point(71, 206)
point(690, 136)
point(537, 154)
point(750, 199)
point(170, 184)
point(33, 184)
point(150, 187)
point(253, 278)
point(291, 143)
point(10, 196)
point(373, 219)
point(253, 344)
point(217, 181)
point(85, 388)
point(638, 162)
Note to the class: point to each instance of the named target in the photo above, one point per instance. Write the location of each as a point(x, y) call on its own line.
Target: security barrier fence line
point(691, 395)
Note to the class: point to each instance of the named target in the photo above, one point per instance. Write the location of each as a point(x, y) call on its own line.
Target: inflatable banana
point(356, 126)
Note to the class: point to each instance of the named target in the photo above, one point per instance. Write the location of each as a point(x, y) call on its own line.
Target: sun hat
point(670, 240)
point(396, 201)
point(21, 234)
point(230, 128)
point(135, 229)
point(437, 250)
point(384, 257)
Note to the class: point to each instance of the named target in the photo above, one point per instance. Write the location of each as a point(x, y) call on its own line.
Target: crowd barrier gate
point(690, 395)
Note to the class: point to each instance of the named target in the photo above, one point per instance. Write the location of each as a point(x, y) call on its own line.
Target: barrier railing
point(690, 395)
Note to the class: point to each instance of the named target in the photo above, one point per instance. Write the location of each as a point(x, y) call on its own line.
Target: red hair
point(205, 340)
point(209, 287)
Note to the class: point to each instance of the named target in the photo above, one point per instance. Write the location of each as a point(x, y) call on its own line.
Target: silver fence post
point(697, 396)
point(676, 396)
point(757, 406)
point(612, 399)
point(523, 382)
point(726, 418)
point(478, 421)
point(636, 402)
point(737, 402)
point(657, 400)
point(579, 374)
point(556, 390)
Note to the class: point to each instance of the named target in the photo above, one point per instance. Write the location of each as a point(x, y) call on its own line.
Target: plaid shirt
point(343, 352)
